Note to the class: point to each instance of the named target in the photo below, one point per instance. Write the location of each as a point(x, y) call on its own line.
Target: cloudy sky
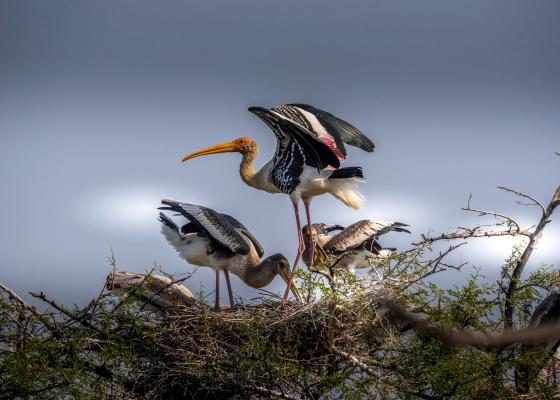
point(99, 100)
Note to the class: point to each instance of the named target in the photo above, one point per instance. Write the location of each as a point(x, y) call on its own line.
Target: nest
point(265, 350)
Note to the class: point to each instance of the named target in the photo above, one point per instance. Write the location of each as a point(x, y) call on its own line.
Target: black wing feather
point(238, 225)
point(218, 227)
point(338, 127)
point(319, 154)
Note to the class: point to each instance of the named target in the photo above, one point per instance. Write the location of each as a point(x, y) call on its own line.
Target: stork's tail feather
point(347, 191)
point(343, 184)
point(348, 172)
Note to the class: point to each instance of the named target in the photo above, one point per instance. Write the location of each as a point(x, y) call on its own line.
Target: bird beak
point(285, 274)
point(227, 147)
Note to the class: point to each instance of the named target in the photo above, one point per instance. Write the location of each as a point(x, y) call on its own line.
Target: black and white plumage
point(310, 147)
point(330, 129)
point(222, 243)
point(309, 150)
point(356, 246)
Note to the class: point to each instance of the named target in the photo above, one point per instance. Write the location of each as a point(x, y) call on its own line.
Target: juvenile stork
point(222, 243)
point(354, 247)
point(309, 150)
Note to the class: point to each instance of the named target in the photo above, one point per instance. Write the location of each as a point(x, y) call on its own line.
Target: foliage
point(344, 341)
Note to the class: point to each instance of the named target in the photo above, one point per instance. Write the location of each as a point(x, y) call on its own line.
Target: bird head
point(284, 271)
point(307, 230)
point(240, 145)
point(319, 229)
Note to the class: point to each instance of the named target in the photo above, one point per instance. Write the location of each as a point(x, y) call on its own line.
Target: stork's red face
point(239, 145)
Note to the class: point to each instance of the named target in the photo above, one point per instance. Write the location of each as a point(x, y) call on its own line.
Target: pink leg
point(230, 292)
point(217, 306)
point(311, 245)
point(301, 247)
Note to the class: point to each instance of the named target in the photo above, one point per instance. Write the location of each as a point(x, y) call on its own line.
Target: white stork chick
point(355, 247)
point(222, 243)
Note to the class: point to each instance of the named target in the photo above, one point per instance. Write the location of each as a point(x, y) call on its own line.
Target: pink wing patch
point(318, 131)
point(329, 141)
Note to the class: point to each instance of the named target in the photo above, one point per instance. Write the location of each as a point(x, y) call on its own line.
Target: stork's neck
point(261, 274)
point(258, 180)
point(247, 169)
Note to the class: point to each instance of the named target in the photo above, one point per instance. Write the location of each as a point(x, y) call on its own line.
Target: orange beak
point(227, 147)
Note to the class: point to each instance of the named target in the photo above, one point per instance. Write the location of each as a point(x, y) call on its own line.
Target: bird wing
point(242, 229)
point(218, 227)
point(316, 153)
point(330, 129)
point(190, 228)
point(357, 233)
point(325, 229)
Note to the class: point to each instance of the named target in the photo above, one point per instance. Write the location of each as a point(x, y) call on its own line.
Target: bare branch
point(521, 194)
point(475, 232)
point(354, 361)
point(506, 218)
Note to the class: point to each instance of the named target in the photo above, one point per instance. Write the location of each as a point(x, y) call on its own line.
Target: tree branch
point(520, 265)
point(23, 304)
point(470, 233)
point(521, 194)
point(452, 337)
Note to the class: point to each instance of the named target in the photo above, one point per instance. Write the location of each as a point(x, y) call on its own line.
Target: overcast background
point(99, 100)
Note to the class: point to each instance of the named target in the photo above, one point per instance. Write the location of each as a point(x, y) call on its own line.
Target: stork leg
point(230, 292)
point(311, 245)
point(301, 247)
point(217, 305)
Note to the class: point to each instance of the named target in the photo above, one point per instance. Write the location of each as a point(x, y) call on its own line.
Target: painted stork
point(310, 148)
point(221, 242)
point(355, 247)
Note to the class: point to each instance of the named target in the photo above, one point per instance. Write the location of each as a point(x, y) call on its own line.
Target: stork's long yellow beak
point(285, 274)
point(219, 148)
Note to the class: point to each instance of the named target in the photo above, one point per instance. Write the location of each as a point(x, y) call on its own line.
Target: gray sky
point(99, 100)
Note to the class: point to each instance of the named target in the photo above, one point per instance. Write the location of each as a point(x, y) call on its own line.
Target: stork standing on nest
point(223, 243)
point(354, 247)
point(310, 147)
